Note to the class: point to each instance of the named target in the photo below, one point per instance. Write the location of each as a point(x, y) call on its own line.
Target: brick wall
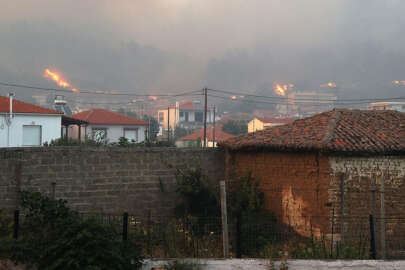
point(295, 185)
point(109, 180)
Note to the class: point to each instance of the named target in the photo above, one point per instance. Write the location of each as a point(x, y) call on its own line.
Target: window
point(131, 135)
point(161, 117)
point(32, 135)
point(99, 134)
point(181, 114)
point(199, 116)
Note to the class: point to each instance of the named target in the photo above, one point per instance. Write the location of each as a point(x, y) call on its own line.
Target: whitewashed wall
point(114, 132)
point(12, 136)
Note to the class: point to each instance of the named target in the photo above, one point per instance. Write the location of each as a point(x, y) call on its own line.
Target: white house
point(186, 114)
point(109, 126)
point(24, 124)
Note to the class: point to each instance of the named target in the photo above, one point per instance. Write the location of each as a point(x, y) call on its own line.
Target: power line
point(97, 92)
point(303, 99)
point(123, 103)
point(301, 103)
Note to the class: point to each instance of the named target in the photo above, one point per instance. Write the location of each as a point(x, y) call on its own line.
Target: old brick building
point(335, 167)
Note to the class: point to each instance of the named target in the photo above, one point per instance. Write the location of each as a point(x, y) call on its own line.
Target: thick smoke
point(173, 45)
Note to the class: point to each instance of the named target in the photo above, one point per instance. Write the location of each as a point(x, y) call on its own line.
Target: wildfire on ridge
point(329, 84)
point(58, 79)
point(281, 89)
point(397, 82)
point(154, 98)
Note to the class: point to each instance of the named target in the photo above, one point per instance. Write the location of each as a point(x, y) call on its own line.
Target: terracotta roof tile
point(219, 135)
point(105, 117)
point(22, 107)
point(339, 130)
point(276, 120)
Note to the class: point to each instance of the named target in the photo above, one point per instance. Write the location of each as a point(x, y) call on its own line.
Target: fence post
point(382, 232)
point(373, 251)
point(149, 224)
point(125, 226)
point(342, 208)
point(239, 235)
point(16, 226)
point(225, 235)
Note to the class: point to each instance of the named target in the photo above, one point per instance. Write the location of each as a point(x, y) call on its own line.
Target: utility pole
point(168, 124)
point(205, 117)
point(213, 131)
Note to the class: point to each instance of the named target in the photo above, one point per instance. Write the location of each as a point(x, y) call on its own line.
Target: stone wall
point(107, 180)
point(356, 190)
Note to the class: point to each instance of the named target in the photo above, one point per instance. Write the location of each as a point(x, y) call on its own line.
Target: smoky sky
point(176, 45)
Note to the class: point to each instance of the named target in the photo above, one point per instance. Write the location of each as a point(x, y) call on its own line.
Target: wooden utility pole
point(224, 215)
point(205, 117)
point(168, 124)
point(213, 131)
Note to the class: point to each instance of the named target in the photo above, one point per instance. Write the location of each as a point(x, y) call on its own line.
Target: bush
point(55, 237)
point(64, 141)
point(199, 196)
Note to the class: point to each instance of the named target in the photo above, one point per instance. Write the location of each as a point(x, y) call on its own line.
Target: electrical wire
point(303, 99)
point(97, 92)
point(301, 103)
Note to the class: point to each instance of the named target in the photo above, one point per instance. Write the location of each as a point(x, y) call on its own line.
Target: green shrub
point(64, 141)
point(198, 193)
point(55, 237)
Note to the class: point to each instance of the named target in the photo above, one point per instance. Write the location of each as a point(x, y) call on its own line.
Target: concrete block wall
point(103, 180)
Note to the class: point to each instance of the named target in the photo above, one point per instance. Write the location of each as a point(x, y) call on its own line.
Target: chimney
point(11, 96)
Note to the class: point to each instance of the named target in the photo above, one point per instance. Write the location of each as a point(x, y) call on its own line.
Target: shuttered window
point(32, 135)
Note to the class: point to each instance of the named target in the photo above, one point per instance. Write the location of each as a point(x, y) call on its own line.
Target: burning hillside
point(59, 80)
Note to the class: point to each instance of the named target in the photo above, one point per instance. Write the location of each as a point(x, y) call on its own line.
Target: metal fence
point(256, 236)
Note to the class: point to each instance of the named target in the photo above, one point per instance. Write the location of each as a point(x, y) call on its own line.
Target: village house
point(334, 168)
point(196, 139)
point(260, 123)
point(24, 124)
point(189, 115)
point(104, 125)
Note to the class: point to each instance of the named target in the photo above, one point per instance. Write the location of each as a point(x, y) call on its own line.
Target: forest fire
point(58, 79)
point(281, 89)
point(328, 85)
point(397, 82)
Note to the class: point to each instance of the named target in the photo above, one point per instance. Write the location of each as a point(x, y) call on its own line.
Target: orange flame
point(59, 80)
point(397, 82)
point(154, 98)
point(234, 97)
point(329, 84)
point(281, 89)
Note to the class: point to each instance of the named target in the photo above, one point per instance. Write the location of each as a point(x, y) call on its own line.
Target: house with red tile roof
point(195, 139)
point(335, 167)
point(109, 126)
point(260, 123)
point(24, 124)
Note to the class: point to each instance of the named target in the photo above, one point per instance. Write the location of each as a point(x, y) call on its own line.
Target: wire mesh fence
point(256, 236)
